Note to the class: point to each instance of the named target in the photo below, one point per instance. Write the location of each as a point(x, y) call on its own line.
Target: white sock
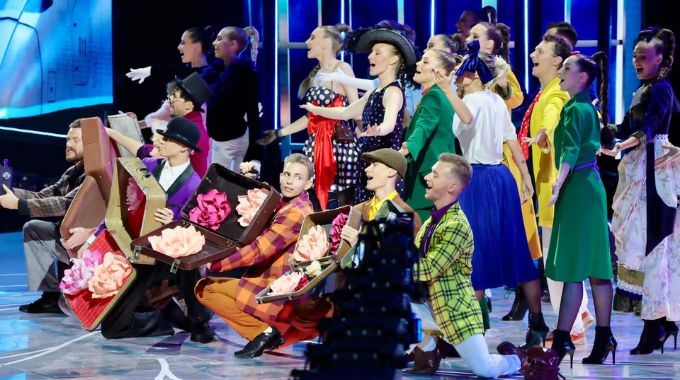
point(268, 330)
point(431, 345)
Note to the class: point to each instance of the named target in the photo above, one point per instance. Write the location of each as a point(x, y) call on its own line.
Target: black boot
point(201, 332)
point(538, 330)
point(47, 303)
point(671, 329)
point(519, 307)
point(262, 342)
point(563, 346)
point(604, 344)
point(652, 335)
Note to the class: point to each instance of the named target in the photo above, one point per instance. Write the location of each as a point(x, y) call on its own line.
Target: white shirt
point(482, 139)
point(169, 174)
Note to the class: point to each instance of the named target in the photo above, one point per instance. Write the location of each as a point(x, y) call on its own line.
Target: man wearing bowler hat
point(177, 177)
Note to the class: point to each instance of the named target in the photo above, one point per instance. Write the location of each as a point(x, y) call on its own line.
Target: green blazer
point(429, 135)
point(447, 269)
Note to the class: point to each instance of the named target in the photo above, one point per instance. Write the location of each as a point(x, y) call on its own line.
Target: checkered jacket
point(268, 257)
point(447, 269)
point(53, 200)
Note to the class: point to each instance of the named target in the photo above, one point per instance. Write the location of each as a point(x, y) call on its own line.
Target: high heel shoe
point(670, 328)
point(563, 346)
point(652, 335)
point(604, 344)
point(538, 330)
point(519, 307)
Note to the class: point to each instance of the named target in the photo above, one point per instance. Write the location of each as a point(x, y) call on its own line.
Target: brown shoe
point(425, 363)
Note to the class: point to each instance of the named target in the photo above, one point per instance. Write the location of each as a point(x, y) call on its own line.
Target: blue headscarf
point(474, 64)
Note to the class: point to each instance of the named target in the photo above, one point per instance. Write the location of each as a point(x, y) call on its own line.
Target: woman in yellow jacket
point(494, 39)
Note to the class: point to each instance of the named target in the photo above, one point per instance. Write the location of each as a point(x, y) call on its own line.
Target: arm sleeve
point(572, 140)
point(551, 115)
point(658, 106)
point(454, 240)
point(425, 125)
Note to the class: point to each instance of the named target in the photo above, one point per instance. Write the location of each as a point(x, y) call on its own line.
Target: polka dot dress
point(346, 153)
point(373, 114)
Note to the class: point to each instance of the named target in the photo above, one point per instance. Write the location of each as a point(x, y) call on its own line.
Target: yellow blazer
point(546, 114)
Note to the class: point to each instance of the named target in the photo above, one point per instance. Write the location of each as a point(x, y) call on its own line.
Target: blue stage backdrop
point(54, 55)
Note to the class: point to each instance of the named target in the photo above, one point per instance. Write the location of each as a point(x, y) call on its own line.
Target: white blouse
point(482, 139)
point(169, 174)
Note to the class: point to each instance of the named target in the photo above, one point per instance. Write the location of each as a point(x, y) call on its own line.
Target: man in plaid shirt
point(269, 258)
point(41, 238)
point(445, 246)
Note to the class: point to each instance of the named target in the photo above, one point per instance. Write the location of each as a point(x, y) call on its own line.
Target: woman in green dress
point(429, 134)
point(579, 245)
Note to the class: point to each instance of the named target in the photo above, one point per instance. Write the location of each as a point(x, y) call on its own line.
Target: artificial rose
point(212, 209)
point(285, 283)
point(76, 278)
point(249, 204)
point(313, 269)
point(336, 230)
point(134, 195)
point(312, 246)
point(109, 276)
point(178, 242)
point(301, 284)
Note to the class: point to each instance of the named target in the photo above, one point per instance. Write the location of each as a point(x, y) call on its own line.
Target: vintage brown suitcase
point(91, 311)
point(329, 263)
point(230, 235)
point(127, 225)
point(128, 126)
point(98, 153)
point(87, 210)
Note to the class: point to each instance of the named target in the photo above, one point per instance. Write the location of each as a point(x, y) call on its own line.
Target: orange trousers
point(219, 294)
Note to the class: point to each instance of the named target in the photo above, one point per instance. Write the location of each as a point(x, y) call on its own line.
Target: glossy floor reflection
point(54, 346)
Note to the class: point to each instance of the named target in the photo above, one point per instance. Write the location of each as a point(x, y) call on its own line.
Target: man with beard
point(41, 238)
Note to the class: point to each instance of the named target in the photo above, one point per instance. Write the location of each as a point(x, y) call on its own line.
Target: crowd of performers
point(431, 135)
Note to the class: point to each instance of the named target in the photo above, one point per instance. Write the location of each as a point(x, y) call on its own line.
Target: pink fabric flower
point(213, 208)
point(312, 246)
point(178, 242)
point(109, 276)
point(249, 204)
point(75, 278)
point(336, 229)
point(134, 195)
point(286, 283)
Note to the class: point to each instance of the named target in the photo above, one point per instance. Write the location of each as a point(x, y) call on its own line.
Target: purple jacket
point(181, 190)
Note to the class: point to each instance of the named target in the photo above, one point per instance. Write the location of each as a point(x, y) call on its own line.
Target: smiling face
point(545, 62)
point(178, 105)
point(572, 79)
point(480, 33)
point(378, 175)
point(424, 68)
point(294, 179)
point(317, 43)
point(646, 61)
point(74, 145)
point(189, 51)
point(383, 56)
point(441, 184)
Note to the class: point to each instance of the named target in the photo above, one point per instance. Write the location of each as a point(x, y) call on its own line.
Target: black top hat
point(389, 36)
point(197, 89)
point(182, 131)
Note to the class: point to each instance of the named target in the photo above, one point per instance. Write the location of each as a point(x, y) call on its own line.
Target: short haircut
point(565, 30)
point(74, 124)
point(561, 47)
point(298, 158)
point(461, 168)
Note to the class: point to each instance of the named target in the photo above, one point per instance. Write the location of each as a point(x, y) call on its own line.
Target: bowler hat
point(389, 157)
point(182, 131)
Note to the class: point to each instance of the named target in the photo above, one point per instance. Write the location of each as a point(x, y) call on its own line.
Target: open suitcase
point(128, 126)
point(230, 235)
point(329, 263)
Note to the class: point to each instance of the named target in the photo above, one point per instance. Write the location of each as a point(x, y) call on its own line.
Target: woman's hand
point(527, 190)
point(442, 80)
point(163, 215)
point(541, 139)
point(269, 137)
point(371, 131)
point(611, 152)
point(555, 193)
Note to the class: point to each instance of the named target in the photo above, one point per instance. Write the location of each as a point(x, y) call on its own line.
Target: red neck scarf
point(524, 129)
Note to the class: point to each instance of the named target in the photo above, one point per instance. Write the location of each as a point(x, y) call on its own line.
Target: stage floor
point(55, 346)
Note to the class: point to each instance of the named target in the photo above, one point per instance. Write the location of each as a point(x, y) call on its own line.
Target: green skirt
point(579, 244)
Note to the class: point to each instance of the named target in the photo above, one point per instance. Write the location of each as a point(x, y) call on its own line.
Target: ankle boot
point(425, 363)
point(563, 346)
point(519, 307)
point(537, 331)
point(670, 328)
point(652, 335)
point(604, 344)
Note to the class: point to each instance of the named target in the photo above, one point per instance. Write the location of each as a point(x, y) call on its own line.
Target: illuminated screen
point(54, 55)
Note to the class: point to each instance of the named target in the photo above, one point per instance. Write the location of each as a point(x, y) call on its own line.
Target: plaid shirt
point(268, 257)
point(53, 200)
point(447, 269)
